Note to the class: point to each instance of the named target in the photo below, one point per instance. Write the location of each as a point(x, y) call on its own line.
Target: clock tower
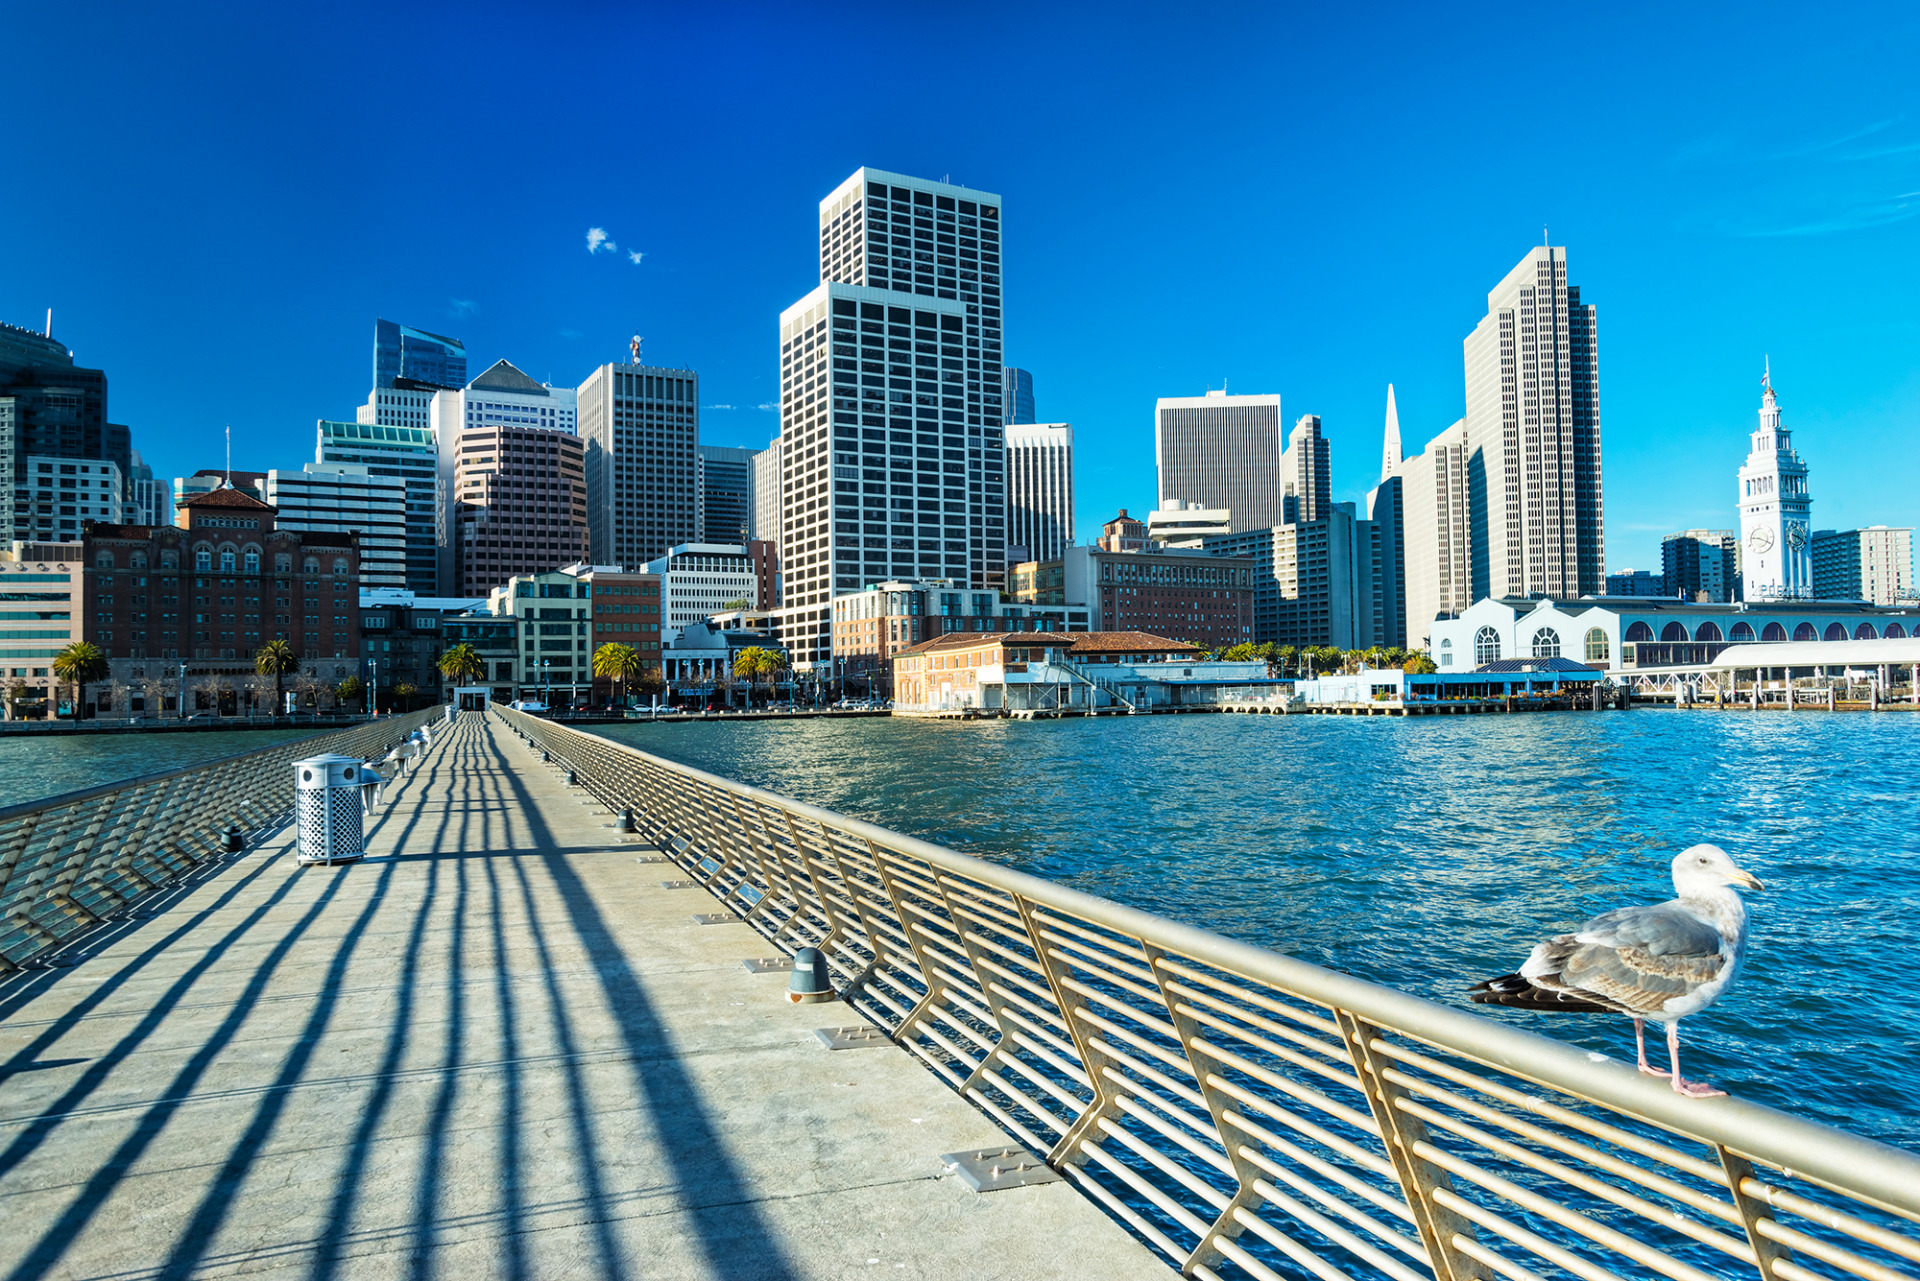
point(1775, 531)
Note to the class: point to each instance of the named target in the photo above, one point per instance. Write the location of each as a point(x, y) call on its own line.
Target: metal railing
point(1251, 1115)
point(71, 861)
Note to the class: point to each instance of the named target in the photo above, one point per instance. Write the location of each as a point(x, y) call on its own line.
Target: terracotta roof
point(1126, 642)
point(974, 640)
point(224, 497)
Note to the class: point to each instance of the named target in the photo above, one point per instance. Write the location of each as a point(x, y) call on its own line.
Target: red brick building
point(626, 611)
point(209, 590)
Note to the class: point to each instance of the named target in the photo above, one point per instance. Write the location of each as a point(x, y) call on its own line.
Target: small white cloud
point(634, 256)
point(462, 307)
point(597, 240)
point(717, 406)
point(772, 405)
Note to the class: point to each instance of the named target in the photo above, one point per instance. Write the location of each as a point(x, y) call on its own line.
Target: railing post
point(1752, 1211)
point(1106, 1099)
point(1418, 1178)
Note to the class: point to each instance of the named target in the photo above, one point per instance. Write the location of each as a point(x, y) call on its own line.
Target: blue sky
point(218, 202)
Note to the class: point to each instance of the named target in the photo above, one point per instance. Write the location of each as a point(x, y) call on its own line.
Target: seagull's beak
point(1747, 879)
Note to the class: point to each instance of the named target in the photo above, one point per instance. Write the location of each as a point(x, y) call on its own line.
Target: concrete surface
point(496, 1048)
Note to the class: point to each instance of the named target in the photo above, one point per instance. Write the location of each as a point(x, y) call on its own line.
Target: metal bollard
point(236, 841)
point(626, 820)
point(545, 756)
point(573, 778)
point(810, 983)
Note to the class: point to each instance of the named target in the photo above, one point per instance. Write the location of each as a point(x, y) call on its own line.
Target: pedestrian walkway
point(498, 1047)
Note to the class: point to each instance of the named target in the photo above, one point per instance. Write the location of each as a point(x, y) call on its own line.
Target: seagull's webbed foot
point(1640, 1037)
point(1691, 1089)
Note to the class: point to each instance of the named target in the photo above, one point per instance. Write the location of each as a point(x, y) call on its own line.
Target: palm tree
point(757, 661)
point(78, 664)
point(462, 664)
point(619, 662)
point(277, 659)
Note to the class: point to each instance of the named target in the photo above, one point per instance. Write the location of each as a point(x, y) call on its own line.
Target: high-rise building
point(892, 462)
point(764, 476)
point(1222, 451)
point(1016, 394)
point(1533, 428)
point(1040, 488)
point(55, 498)
point(1873, 564)
point(641, 425)
point(1177, 524)
point(407, 403)
point(1700, 565)
point(1636, 582)
point(1391, 455)
point(405, 453)
point(1775, 509)
point(1306, 471)
point(1438, 550)
point(1387, 512)
point(50, 408)
point(341, 498)
point(1195, 596)
point(698, 580)
point(414, 354)
point(723, 484)
point(1123, 533)
point(516, 504)
point(149, 500)
point(1314, 580)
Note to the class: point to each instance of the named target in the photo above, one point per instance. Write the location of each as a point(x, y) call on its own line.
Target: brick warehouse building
point(206, 592)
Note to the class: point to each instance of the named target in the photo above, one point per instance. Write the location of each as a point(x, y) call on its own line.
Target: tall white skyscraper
point(1040, 488)
point(340, 498)
point(1222, 451)
point(764, 492)
point(641, 428)
point(1306, 472)
point(1390, 455)
point(892, 462)
point(1533, 425)
point(1775, 508)
point(1437, 526)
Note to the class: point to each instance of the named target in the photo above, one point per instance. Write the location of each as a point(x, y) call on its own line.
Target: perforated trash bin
point(327, 806)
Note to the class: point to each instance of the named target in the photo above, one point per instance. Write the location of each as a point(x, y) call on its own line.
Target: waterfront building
point(1776, 528)
point(641, 427)
point(405, 452)
point(700, 661)
point(1197, 597)
point(403, 353)
point(402, 636)
point(1637, 582)
point(206, 592)
point(1040, 488)
point(1223, 452)
point(764, 474)
point(1123, 534)
point(1700, 564)
point(1306, 473)
point(56, 497)
point(1314, 582)
point(42, 586)
point(625, 610)
point(555, 625)
point(1873, 564)
point(1437, 546)
point(1533, 432)
point(49, 408)
point(869, 626)
point(723, 489)
point(1178, 524)
point(495, 638)
point(1016, 395)
point(516, 503)
point(343, 498)
point(1024, 670)
point(699, 580)
point(210, 479)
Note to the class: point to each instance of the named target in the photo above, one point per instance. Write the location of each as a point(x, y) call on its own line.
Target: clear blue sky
point(218, 202)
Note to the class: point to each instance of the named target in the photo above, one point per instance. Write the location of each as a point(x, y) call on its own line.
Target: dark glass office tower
point(49, 406)
point(400, 352)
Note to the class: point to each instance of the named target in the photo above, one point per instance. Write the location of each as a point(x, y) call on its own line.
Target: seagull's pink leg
point(1692, 1089)
point(1640, 1037)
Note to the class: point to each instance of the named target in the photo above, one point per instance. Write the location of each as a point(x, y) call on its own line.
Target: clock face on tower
point(1761, 539)
point(1796, 535)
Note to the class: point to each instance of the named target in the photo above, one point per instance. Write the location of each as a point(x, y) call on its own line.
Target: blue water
point(1427, 853)
point(33, 767)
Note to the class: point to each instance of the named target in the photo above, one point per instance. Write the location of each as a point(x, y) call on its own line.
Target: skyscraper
point(1040, 488)
point(1222, 451)
point(1873, 564)
point(1306, 472)
point(1016, 394)
point(723, 482)
point(892, 462)
point(641, 425)
point(403, 353)
point(764, 475)
point(1390, 454)
point(1700, 564)
point(1775, 508)
point(52, 408)
point(1437, 550)
point(1533, 426)
point(1387, 512)
point(342, 498)
point(407, 454)
point(517, 504)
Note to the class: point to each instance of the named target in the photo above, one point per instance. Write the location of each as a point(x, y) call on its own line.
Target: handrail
point(70, 861)
point(1252, 1115)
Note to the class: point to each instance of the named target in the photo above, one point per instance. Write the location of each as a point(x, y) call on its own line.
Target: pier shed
point(1529, 680)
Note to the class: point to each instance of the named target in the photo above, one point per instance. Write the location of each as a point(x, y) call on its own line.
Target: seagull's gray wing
point(1634, 959)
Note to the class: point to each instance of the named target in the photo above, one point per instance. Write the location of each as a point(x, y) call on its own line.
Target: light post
point(183, 691)
point(546, 696)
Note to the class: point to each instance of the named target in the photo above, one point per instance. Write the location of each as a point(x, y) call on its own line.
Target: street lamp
point(546, 696)
point(183, 691)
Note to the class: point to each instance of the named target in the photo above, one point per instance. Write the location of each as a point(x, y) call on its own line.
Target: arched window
point(103, 560)
point(1673, 632)
point(202, 559)
point(1774, 632)
point(168, 560)
point(1708, 631)
point(251, 561)
point(1597, 649)
point(340, 565)
point(137, 561)
point(1446, 652)
point(1637, 633)
point(226, 560)
point(1865, 632)
point(312, 565)
point(1805, 632)
point(1742, 632)
point(1546, 643)
point(1486, 646)
point(1835, 631)
point(283, 564)
point(1895, 632)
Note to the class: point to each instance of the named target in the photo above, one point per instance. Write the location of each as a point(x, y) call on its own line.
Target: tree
point(154, 690)
point(79, 664)
point(349, 689)
point(405, 691)
point(306, 690)
point(756, 662)
point(1287, 656)
point(1419, 663)
point(277, 659)
point(463, 664)
point(1244, 652)
point(617, 662)
point(16, 695)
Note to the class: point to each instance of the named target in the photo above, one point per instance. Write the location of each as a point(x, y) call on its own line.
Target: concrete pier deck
point(496, 1048)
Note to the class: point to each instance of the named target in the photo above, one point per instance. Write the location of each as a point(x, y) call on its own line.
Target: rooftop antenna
point(634, 346)
point(229, 455)
point(1766, 373)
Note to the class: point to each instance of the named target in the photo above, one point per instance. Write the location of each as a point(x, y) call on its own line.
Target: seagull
point(1663, 962)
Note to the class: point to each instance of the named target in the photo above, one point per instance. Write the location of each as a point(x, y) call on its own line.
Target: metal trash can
point(452, 712)
point(327, 808)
